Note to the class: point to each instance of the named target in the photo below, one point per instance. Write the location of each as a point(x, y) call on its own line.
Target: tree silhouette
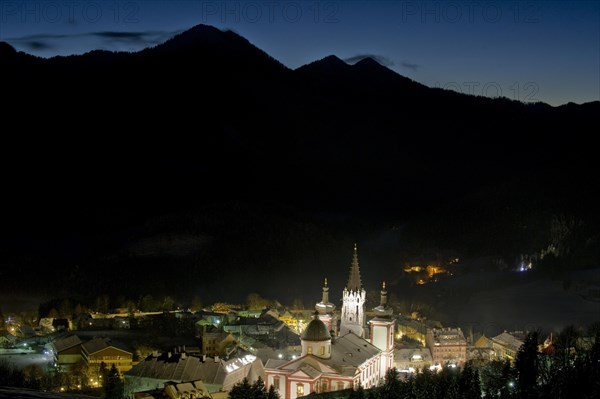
point(391, 387)
point(112, 384)
point(257, 390)
point(469, 384)
point(272, 393)
point(527, 366)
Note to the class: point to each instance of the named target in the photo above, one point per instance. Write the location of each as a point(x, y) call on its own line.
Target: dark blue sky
point(527, 50)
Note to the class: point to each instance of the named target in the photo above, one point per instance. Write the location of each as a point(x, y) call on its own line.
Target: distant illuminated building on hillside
point(427, 274)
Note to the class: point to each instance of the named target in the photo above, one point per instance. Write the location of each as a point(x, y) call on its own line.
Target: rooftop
point(98, 344)
point(180, 367)
point(347, 354)
point(316, 331)
point(448, 336)
point(66, 343)
point(508, 340)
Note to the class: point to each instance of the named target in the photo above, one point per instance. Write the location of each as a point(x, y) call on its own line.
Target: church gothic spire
point(354, 297)
point(354, 282)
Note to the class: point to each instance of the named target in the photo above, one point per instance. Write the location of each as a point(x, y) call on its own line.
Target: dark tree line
point(34, 377)
point(447, 384)
point(572, 369)
point(256, 390)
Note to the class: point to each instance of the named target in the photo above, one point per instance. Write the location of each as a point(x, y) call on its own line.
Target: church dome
point(383, 311)
point(325, 308)
point(316, 331)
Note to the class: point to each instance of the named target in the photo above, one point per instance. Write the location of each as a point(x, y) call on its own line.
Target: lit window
point(299, 389)
point(276, 383)
point(322, 351)
point(309, 351)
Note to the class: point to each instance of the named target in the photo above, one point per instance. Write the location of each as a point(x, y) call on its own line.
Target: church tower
point(354, 297)
point(382, 333)
point(325, 310)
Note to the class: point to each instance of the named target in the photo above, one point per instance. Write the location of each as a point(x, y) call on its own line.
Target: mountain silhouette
point(224, 108)
point(6, 50)
point(208, 116)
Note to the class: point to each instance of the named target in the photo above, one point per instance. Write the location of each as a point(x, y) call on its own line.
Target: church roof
point(354, 282)
point(310, 370)
point(347, 354)
point(275, 363)
point(316, 331)
point(351, 350)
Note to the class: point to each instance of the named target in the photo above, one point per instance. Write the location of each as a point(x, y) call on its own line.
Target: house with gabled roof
point(66, 351)
point(218, 375)
point(104, 350)
point(507, 344)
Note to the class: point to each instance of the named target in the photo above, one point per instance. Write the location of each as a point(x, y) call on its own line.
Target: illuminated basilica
point(360, 354)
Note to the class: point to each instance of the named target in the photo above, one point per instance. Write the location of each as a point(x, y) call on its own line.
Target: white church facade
point(329, 362)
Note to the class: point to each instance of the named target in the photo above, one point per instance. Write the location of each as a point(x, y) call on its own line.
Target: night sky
point(526, 50)
point(422, 176)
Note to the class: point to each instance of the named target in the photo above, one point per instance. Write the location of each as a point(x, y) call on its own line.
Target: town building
point(104, 350)
point(66, 351)
point(179, 390)
point(7, 339)
point(412, 360)
point(216, 342)
point(448, 346)
point(413, 329)
point(265, 331)
point(218, 375)
point(507, 344)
